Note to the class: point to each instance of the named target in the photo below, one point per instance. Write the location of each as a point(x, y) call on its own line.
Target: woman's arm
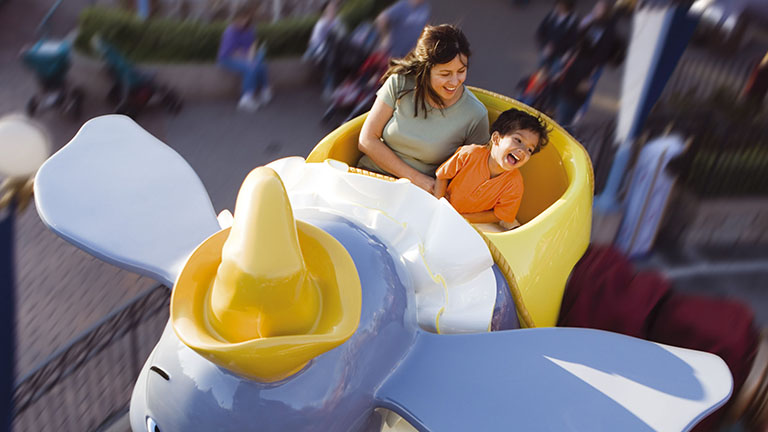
point(481, 217)
point(371, 144)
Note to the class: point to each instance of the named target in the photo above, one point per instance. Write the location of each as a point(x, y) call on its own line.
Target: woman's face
point(446, 79)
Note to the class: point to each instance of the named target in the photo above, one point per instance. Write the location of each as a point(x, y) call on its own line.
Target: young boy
point(485, 182)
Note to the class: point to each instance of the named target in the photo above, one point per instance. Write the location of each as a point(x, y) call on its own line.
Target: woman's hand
point(423, 181)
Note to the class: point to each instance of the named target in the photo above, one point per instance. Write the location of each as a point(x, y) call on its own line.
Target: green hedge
point(175, 41)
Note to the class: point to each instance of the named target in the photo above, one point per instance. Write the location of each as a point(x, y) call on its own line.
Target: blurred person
point(556, 33)
point(423, 112)
point(599, 11)
point(239, 52)
point(554, 36)
point(143, 9)
point(328, 23)
point(598, 44)
point(605, 292)
point(356, 93)
point(327, 31)
point(757, 85)
point(402, 23)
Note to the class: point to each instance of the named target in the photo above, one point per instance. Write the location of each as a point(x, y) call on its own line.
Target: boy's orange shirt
point(473, 190)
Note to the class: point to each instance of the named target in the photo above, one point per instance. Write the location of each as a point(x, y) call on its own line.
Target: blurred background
point(83, 328)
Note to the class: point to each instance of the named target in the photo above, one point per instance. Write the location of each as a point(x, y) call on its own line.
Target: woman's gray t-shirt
point(425, 143)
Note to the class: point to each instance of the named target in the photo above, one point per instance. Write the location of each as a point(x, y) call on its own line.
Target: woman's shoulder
point(473, 105)
point(399, 82)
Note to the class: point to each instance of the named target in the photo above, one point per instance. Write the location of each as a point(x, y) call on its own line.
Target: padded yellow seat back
point(556, 211)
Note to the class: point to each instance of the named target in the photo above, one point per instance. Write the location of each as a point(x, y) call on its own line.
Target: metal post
point(42, 29)
point(7, 314)
point(134, 338)
point(658, 60)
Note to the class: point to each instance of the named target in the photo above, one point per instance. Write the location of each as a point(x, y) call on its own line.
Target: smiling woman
point(422, 113)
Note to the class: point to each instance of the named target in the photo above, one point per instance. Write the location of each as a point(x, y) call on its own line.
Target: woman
point(423, 112)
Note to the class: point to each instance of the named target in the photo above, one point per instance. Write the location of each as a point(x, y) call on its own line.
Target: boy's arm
point(481, 217)
point(440, 186)
point(448, 170)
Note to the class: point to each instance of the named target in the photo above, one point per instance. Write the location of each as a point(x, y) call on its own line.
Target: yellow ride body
point(555, 213)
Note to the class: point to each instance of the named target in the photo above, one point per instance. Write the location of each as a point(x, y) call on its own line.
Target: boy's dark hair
point(514, 119)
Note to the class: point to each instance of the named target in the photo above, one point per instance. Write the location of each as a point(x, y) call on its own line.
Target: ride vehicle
point(325, 302)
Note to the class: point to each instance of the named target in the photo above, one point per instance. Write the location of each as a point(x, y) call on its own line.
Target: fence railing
point(728, 154)
point(699, 74)
point(597, 139)
point(89, 380)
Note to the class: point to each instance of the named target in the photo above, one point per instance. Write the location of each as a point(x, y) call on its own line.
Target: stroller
point(132, 90)
point(356, 94)
point(538, 91)
point(359, 65)
point(50, 62)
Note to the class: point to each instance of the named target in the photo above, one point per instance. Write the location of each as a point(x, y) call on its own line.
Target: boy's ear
point(495, 137)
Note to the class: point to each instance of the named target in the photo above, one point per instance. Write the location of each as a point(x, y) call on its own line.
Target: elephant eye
point(151, 425)
point(160, 372)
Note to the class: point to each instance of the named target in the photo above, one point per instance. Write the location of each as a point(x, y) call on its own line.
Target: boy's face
point(512, 151)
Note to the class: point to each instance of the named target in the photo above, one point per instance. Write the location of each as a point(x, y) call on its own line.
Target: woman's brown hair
point(437, 45)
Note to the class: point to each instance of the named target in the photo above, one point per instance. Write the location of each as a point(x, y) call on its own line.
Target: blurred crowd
point(573, 52)
point(352, 61)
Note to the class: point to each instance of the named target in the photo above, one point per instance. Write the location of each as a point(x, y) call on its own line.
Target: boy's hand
point(440, 186)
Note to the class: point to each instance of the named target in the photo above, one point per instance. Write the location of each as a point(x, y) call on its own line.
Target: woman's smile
point(446, 79)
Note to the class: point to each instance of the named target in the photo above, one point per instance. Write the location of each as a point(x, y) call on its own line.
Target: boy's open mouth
point(512, 159)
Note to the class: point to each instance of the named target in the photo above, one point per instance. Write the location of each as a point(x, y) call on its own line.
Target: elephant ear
point(557, 379)
point(122, 195)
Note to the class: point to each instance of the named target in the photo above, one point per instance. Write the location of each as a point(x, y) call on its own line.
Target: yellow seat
point(555, 212)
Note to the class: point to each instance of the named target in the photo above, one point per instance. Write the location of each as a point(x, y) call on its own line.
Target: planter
point(193, 81)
